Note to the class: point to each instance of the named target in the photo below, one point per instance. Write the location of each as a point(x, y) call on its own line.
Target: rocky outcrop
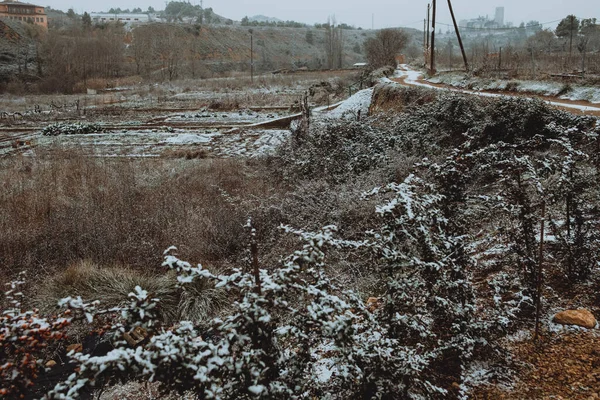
point(581, 317)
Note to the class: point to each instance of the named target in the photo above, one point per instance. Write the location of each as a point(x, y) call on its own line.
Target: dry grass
point(110, 285)
point(190, 153)
point(298, 80)
point(60, 208)
point(198, 302)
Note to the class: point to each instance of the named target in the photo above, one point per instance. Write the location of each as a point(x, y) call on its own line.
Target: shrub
point(336, 151)
point(24, 336)
point(111, 286)
point(76, 128)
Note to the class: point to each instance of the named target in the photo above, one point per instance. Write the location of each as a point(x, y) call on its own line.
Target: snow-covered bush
point(24, 335)
point(264, 349)
point(293, 334)
point(429, 308)
point(575, 225)
point(76, 128)
point(336, 151)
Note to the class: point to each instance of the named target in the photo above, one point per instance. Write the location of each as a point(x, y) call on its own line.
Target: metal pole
point(251, 56)
point(462, 48)
point(432, 67)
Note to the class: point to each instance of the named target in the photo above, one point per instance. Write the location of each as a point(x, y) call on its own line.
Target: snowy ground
point(356, 104)
point(553, 89)
point(178, 143)
point(415, 78)
point(205, 116)
point(156, 132)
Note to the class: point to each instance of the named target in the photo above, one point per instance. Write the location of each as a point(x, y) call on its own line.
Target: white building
point(499, 19)
point(127, 19)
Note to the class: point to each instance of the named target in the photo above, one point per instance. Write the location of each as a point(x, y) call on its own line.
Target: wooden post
point(254, 253)
point(425, 40)
point(432, 67)
point(427, 37)
point(583, 50)
point(251, 55)
point(428, 20)
point(538, 290)
point(500, 59)
point(532, 63)
point(462, 47)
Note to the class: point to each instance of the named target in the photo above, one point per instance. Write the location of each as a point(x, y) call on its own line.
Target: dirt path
point(564, 366)
point(408, 77)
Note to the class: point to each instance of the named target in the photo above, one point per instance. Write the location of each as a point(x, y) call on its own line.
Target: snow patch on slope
point(190, 138)
point(348, 109)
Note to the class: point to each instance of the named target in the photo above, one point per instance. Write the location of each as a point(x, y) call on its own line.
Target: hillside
point(69, 55)
point(17, 49)
point(411, 235)
point(275, 47)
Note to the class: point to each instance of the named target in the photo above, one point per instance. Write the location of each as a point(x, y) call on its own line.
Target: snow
point(324, 369)
point(359, 102)
point(269, 141)
point(543, 88)
point(578, 93)
point(238, 117)
point(190, 138)
point(519, 336)
point(412, 78)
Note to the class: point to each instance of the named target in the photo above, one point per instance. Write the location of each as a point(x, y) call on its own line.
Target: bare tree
point(385, 46)
point(333, 44)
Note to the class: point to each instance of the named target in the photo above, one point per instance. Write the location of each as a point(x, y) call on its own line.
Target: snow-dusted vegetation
point(397, 255)
point(566, 91)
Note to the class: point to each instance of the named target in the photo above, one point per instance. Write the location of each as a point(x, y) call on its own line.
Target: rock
point(581, 317)
point(50, 364)
point(77, 348)
point(136, 336)
point(373, 303)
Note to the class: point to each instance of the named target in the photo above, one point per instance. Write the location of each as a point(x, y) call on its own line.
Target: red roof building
point(24, 12)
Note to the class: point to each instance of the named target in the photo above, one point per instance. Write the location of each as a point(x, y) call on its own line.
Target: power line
point(420, 22)
point(504, 29)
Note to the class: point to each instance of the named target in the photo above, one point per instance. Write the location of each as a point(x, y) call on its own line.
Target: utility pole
point(432, 67)
point(572, 18)
point(425, 41)
point(251, 55)
point(426, 33)
point(462, 48)
point(428, 18)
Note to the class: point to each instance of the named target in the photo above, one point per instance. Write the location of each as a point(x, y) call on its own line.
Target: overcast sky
point(354, 12)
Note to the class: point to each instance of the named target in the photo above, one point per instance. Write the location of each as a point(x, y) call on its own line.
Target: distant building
point(23, 12)
point(480, 23)
point(127, 19)
point(499, 16)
